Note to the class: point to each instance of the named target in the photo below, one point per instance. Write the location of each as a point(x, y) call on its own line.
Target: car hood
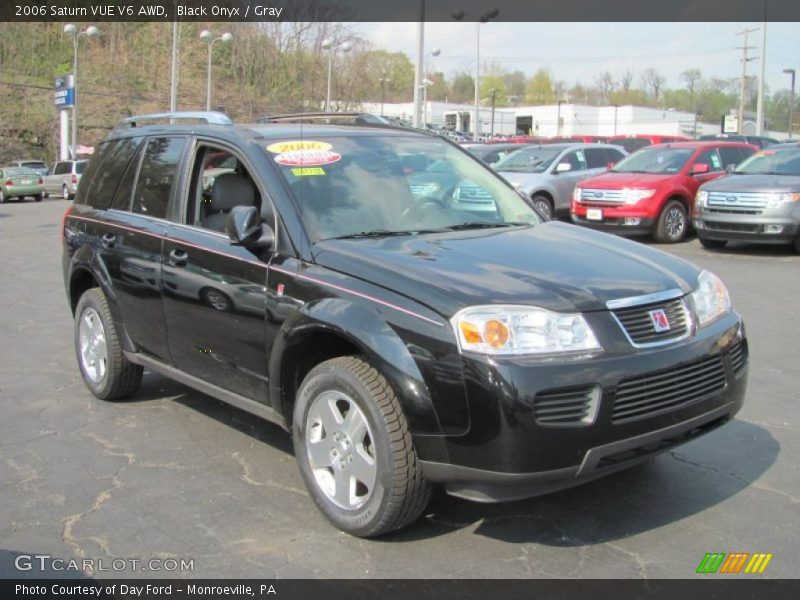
point(754, 183)
point(618, 181)
point(554, 265)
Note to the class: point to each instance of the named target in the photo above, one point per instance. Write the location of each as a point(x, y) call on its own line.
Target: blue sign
point(64, 98)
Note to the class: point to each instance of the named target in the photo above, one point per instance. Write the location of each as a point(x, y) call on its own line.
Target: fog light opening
point(773, 229)
point(632, 220)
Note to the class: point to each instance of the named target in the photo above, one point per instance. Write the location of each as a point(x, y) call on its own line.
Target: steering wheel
point(424, 204)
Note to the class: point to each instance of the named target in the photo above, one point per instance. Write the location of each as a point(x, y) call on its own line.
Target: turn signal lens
point(495, 333)
point(470, 333)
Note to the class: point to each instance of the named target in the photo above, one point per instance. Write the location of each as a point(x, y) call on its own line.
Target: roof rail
point(360, 119)
point(289, 117)
point(210, 117)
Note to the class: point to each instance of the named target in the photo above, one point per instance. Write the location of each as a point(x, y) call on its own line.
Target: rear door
point(214, 293)
point(133, 234)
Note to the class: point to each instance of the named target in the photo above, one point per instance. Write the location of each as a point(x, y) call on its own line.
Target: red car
point(652, 191)
point(578, 139)
point(634, 142)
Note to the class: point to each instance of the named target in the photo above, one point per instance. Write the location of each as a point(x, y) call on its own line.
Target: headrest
point(231, 190)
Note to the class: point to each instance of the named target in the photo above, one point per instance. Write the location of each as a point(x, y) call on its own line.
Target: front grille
point(567, 406)
point(737, 201)
point(639, 322)
point(738, 356)
point(605, 196)
point(646, 395)
point(737, 227)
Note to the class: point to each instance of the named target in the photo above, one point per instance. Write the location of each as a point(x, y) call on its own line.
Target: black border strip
point(410, 10)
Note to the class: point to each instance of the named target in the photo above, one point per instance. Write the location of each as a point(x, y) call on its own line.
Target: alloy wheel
point(93, 347)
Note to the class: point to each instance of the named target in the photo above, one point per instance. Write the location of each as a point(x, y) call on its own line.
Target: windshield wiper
point(487, 225)
point(375, 233)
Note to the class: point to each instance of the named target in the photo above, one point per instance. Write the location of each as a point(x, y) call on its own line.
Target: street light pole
point(791, 100)
point(72, 30)
point(173, 80)
point(494, 99)
point(484, 18)
point(332, 49)
point(209, 39)
point(384, 81)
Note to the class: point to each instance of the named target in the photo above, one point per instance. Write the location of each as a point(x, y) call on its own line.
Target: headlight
point(576, 194)
point(630, 196)
point(701, 198)
point(711, 299)
point(518, 330)
point(778, 200)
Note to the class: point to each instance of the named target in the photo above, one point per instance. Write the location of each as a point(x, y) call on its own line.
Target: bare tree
point(626, 80)
point(692, 78)
point(655, 81)
point(605, 83)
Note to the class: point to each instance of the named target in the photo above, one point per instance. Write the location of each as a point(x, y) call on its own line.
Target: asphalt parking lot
point(175, 474)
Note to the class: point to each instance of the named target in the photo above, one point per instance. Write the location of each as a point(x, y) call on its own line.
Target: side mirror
point(563, 167)
point(700, 168)
point(244, 228)
point(610, 165)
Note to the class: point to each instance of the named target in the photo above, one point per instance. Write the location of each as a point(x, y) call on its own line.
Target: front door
point(214, 293)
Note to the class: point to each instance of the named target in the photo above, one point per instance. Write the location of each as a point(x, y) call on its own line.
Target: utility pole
point(745, 59)
point(760, 103)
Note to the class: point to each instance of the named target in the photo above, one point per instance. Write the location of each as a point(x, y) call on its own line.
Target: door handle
point(108, 240)
point(178, 258)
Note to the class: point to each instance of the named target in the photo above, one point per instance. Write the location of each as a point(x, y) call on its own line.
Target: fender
point(366, 329)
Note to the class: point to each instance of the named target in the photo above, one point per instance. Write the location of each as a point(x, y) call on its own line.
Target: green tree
point(540, 88)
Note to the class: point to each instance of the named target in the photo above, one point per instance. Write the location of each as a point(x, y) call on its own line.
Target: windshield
point(659, 159)
point(784, 161)
point(529, 160)
point(34, 165)
point(373, 185)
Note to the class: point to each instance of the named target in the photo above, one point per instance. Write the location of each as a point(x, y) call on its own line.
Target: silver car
point(547, 174)
point(62, 178)
point(759, 202)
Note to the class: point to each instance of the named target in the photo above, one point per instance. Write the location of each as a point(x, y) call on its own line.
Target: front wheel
point(354, 449)
point(105, 370)
point(672, 223)
point(543, 205)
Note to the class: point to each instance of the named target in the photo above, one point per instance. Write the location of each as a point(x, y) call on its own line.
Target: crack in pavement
point(247, 477)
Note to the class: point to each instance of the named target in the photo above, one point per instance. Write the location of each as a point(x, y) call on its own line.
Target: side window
point(596, 158)
point(577, 159)
point(219, 181)
point(105, 171)
point(731, 156)
point(62, 168)
point(613, 155)
point(124, 195)
point(710, 158)
point(158, 176)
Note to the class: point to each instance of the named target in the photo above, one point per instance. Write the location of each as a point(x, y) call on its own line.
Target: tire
point(65, 193)
point(216, 299)
point(672, 223)
point(38, 197)
point(2, 197)
point(111, 376)
point(543, 205)
point(398, 496)
point(713, 244)
point(797, 244)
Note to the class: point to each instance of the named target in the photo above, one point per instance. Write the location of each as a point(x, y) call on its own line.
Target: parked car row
point(33, 179)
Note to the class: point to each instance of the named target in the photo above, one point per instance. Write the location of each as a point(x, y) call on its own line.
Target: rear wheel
point(38, 197)
point(65, 192)
point(2, 197)
point(672, 223)
point(713, 244)
point(797, 243)
point(354, 449)
point(105, 370)
point(543, 205)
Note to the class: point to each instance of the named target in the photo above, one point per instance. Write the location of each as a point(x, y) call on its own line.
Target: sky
point(580, 51)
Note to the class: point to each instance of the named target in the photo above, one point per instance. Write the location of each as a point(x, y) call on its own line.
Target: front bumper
point(509, 453)
point(618, 225)
point(760, 229)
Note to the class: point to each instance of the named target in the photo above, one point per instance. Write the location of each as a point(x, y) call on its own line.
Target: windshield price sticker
point(307, 158)
point(304, 171)
point(297, 145)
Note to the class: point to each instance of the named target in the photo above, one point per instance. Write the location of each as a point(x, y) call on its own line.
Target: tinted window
point(157, 176)
point(731, 156)
point(105, 171)
point(632, 144)
point(596, 158)
point(80, 167)
point(710, 158)
point(34, 165)
point(122, 200)
point(614, 155)
point(62, 168)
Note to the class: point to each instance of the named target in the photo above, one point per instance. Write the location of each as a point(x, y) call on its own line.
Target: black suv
point(292, 271)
